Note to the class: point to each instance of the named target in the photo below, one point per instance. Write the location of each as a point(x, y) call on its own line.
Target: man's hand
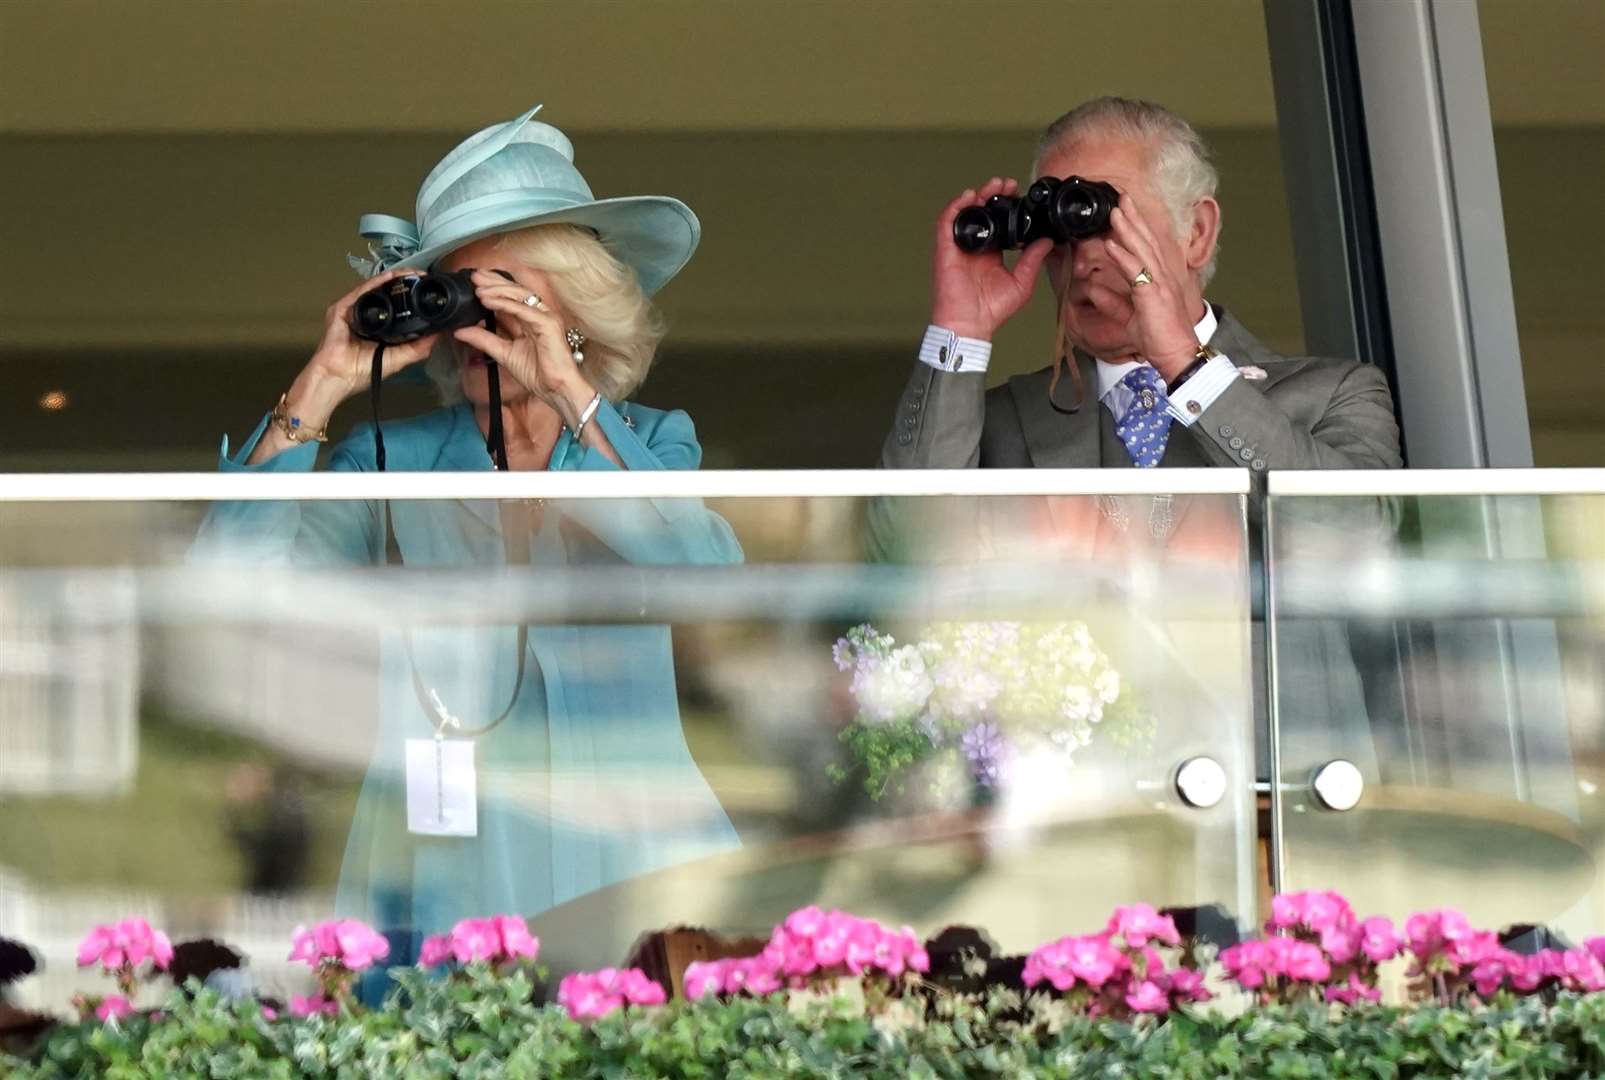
point(973, 295)
point(1157, 313)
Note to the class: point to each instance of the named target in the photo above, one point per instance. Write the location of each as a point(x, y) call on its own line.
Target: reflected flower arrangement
point(979, 695)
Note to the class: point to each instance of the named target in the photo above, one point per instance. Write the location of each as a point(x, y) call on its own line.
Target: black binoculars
point(1062, 210)
point(406, 308)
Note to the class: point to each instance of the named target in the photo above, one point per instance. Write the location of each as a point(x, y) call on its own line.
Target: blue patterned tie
point(1146, 425)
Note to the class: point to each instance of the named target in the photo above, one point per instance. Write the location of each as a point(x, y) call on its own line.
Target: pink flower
point(1353, 991)
point(1378, 940)
point(1341, 942)
point(1139, 924)
point(114, 1007)
point(585, 998)
point(269, 1013)
point(1093, 960)
point(1430, 932)
point(1304, 962)
point(758, 976)
point(360, 945)
point(1490, 972)
point(805, 922)
point(1187, 985)
point(830, 948)
point(435, 951)
point(1582, 971)
point(127, 943)
point(350, 943)
point(1596, 945)
point(638, 989)
point(315, 1005)
point(1314, 910)
point(1526, 972)
point(516, 940)
point(704, 977)
point(1475, 948)
point(1252, 963)
point(1050, 963)
point(475, 939)
point(1146, 996)
point(98, 948)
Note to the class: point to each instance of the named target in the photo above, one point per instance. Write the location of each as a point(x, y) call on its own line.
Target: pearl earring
point(575, 339)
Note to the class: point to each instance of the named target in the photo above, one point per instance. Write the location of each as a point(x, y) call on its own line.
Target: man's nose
point(1087, 257)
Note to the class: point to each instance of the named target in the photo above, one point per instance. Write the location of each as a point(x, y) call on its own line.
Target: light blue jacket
point(589, 780)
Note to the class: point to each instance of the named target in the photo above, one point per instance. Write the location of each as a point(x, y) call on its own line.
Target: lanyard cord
point(497, 447)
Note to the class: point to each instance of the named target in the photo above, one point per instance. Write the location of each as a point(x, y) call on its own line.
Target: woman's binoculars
point(408, 307)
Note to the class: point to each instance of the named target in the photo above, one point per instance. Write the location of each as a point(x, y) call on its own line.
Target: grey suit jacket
point(1307, 413)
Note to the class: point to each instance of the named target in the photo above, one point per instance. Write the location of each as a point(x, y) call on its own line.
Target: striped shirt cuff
point(1199, 392)
point(944, 350)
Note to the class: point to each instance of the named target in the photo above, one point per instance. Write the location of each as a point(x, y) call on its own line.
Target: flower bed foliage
point(835, 995)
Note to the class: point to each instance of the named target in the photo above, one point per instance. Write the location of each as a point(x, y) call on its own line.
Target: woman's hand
point(340, 368)
point(538, 355)
point(972, 294)
point(345, 360)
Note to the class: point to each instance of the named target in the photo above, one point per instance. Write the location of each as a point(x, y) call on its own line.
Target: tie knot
point(1144, 378)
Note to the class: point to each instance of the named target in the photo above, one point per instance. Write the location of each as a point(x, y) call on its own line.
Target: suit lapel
point(1056, 439)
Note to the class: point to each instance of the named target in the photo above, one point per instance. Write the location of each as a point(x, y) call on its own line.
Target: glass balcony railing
point(617, 704)
point(1438, 691)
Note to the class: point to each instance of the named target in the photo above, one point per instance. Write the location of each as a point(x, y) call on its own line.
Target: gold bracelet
point(291, 425)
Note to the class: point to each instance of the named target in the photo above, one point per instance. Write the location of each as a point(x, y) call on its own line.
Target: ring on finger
point(534, 301)
point(1143, 278)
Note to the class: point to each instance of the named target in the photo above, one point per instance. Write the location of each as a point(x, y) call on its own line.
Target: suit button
point(1258, 465)
point(914, 406)
point(1236, 443)
point(1226, 431)
point(905, 438)
point(1246, 453)
point(908, 422)
point(1194, 408)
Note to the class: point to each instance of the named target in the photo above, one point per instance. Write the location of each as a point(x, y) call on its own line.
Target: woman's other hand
point(341, 367)
point(535, 350)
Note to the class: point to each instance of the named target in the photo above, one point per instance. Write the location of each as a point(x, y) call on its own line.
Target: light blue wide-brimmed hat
point(522, 173)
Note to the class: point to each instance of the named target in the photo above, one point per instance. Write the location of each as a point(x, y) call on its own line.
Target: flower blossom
point(125, 944)
point(114, 1007)
point(589, 995)
point(495, 939)
point(349, 943)
point(315, 1005)
point(1138, 924)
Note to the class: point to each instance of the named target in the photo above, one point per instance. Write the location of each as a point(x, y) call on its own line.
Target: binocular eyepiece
point(406, 308)
point(1062, 210)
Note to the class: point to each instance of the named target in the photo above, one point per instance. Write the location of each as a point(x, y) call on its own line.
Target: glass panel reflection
point(617, 716)
point(1473, 696)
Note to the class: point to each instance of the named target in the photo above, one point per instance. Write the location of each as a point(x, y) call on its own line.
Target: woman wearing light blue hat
point(582, 774)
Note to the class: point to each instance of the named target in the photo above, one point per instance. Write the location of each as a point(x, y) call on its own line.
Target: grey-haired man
point(1129, 300)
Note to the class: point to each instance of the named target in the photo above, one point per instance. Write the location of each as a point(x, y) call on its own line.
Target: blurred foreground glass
point(214, 733)
point(1451, 649)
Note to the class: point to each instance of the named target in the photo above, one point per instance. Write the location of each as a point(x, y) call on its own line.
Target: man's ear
point(1205, 231)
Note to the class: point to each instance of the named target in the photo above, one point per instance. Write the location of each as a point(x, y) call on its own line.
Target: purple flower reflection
point(987, 751)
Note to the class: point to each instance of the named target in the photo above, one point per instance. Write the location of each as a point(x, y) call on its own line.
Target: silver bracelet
point(585, 417)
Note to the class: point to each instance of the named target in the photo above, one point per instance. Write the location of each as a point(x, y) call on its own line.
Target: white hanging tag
point(442, 794)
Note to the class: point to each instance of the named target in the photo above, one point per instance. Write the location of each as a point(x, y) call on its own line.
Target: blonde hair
point(601, 296)
point(1179, 162)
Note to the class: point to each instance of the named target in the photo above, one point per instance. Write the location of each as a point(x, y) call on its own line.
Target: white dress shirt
point(946, 351)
